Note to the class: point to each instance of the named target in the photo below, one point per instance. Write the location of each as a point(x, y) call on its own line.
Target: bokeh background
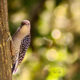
point(54, 53)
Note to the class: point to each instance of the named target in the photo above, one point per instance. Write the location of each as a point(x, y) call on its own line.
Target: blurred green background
point(54, 53)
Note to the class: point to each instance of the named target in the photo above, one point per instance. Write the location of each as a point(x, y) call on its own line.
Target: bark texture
point(5, 57)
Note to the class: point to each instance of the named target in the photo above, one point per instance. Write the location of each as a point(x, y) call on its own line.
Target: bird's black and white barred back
point(23, 47)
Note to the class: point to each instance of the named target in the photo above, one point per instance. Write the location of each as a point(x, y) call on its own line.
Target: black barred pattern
point(23, 47)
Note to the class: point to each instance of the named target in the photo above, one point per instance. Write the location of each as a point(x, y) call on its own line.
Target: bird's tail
point(13, 68)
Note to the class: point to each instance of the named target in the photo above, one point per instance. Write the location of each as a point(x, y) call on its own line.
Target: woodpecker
point(20, 43)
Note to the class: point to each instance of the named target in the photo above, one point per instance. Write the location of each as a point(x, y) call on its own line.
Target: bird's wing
point(23, 47)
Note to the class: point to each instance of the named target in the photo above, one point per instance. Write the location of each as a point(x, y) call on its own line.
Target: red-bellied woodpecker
point(20, 43)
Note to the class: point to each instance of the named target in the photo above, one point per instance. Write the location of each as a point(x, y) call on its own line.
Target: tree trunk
point(5, 57)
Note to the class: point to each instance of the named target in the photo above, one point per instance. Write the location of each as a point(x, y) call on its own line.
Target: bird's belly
point(16, 45)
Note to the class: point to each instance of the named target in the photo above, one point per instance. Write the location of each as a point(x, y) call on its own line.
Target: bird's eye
point(25, 22)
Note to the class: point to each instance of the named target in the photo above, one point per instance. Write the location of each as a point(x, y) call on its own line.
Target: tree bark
point(5, 57)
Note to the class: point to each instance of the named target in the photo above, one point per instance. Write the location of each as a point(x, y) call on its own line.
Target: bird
point(20, 43)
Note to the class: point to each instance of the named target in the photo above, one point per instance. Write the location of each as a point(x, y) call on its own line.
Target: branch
point(5, 57)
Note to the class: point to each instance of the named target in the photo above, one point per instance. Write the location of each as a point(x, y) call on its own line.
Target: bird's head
point(25, 27)
point(25, 22)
